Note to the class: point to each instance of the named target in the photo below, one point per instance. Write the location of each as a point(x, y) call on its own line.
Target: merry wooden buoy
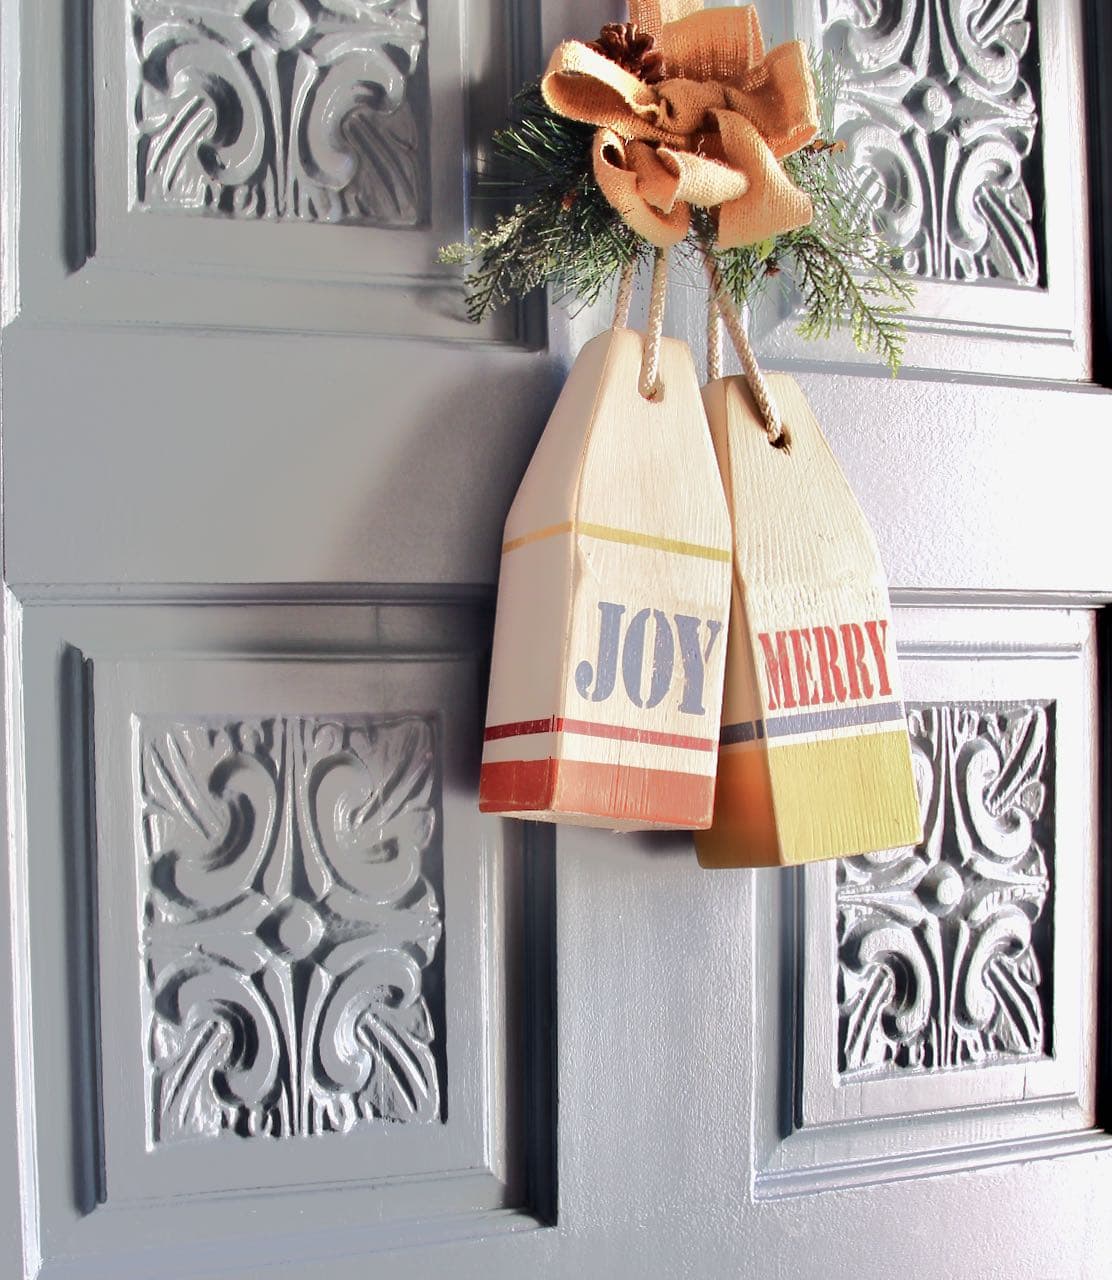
point(609, 643)
point(815, 759)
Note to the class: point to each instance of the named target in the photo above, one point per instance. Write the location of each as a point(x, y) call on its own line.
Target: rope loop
point(714, 339)
point(624, 299)
point(650, 386)
point(735, 326)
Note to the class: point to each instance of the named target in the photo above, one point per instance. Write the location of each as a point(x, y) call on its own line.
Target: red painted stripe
point(588, 729)
point(522, 728)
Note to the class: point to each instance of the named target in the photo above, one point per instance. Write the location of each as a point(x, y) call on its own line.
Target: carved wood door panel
point(281, 1002)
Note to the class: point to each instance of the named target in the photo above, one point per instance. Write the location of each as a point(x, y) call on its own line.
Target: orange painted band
point(659, 797)
point(538, 535)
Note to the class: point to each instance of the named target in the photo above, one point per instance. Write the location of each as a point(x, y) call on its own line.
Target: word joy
point(816, 666)
point(680, 630)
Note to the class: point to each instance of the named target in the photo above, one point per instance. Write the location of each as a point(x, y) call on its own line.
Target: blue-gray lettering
point(695, 659)
point(605, 671)
point(633, 658)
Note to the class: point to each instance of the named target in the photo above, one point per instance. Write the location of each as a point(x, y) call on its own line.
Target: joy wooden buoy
point(815, 759)
point(609, 644)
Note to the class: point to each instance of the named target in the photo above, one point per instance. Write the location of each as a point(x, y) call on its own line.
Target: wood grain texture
point(815, 761)
point(609, 649)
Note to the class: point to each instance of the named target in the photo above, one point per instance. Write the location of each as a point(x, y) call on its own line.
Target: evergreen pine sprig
point(563, 232)
point(846, 274)
point(843, 268)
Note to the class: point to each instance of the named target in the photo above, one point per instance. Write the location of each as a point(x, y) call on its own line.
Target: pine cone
point(631, 49)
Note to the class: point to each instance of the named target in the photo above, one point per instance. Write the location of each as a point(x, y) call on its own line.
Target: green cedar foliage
point(562, 231)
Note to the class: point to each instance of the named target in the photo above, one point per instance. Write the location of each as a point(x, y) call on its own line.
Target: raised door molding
point(945, 950)
point(281, 110)
point(289, 929)
point(251, 847)
point(283, 167)
point(932, 1008)
point(970, 116)
point(942, 104)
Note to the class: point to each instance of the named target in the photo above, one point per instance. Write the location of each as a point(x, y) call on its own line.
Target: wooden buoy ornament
point(614, 595)
point(815, 758)
point(610, 634)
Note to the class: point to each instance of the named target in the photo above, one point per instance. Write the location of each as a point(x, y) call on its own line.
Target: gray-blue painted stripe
point(836, 718)
point(811, 722)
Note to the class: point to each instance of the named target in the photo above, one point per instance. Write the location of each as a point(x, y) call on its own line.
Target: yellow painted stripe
point(626, 536)
point(656, 544)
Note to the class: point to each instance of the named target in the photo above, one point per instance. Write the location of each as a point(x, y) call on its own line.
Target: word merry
point(820, 665)
point(694, 656)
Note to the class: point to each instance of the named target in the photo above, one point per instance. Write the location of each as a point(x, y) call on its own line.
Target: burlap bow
point(712, 133)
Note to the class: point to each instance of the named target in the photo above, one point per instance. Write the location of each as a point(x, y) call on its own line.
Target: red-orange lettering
point(878, 640)
point(779, 672)
point(804, 672)
point(833, 682)
point(853, 648)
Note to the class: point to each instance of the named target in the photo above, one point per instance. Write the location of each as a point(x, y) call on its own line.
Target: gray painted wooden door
point(278, 1001)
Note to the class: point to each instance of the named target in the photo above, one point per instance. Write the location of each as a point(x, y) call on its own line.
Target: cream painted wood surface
point(279, 1000)
point(815, 760)
point(609, 644)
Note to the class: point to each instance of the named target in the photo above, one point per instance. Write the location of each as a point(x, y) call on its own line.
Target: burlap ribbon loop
point(711, 134)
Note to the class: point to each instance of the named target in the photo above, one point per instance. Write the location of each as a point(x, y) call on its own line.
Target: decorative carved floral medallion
point(300, 109)
point(943, 949)
point(940, 102)
point(291, 929)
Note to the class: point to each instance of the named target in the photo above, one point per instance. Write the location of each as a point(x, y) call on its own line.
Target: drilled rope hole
point(655, 396)
point(783, 441)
